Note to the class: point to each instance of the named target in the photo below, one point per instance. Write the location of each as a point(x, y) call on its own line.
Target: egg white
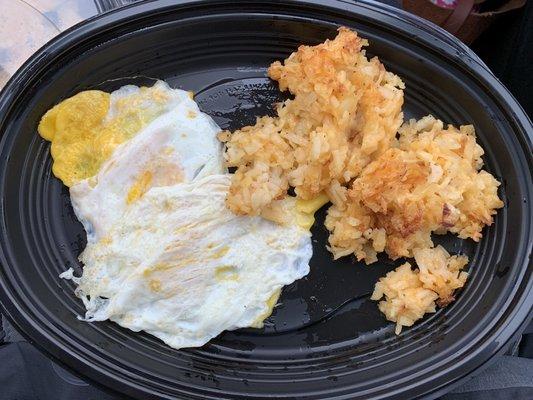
point(184, 268)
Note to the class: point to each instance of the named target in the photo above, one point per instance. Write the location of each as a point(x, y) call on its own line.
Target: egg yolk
point(84, 134)
point(140, 187)
point(305, 210)
point(270, 303)
point(226, 273)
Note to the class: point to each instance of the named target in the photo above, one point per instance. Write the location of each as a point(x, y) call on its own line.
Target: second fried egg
point(175, 146)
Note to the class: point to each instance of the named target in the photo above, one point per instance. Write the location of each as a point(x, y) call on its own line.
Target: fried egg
point(182, 267)
point(85, 129)
point(164, 254)
point(175, 147)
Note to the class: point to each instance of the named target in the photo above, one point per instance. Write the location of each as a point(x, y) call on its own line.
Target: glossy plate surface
point(326, 339)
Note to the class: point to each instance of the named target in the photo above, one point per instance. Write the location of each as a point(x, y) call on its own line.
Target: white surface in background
point(26, 25)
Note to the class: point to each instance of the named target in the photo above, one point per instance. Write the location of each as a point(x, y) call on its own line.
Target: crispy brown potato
point(431, 182)
point(346, 109)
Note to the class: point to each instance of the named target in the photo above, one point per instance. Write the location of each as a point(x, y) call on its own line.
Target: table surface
point(35, 22)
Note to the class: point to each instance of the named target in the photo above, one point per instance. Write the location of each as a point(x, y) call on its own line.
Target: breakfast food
point(409, 294)
point(346, 110)
point(180, 266)
point(163, 253)
point(86, 128)
point(391, 186)
point(431, 181)
point(182, 249)
point(176, 146)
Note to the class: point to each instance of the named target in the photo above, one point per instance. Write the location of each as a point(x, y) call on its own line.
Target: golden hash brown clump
point(346, 110)
point(409, 294)
point(391, 186)
point(431, 182)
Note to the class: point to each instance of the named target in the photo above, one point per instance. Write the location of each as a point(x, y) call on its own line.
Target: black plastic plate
point(326, 339)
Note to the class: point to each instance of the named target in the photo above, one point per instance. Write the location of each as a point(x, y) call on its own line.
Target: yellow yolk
point(140, 187)
point(221, 253)
point(271, 302)
point(83, 136)
point(155, 285)
point(70, 126)
point(226, 273)
point(291, 210)
point(305, 210)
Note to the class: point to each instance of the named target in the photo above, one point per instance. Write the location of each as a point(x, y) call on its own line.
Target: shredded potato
point(391, 186)
point(430, 182)
point(346, 109)
point(409, 294)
